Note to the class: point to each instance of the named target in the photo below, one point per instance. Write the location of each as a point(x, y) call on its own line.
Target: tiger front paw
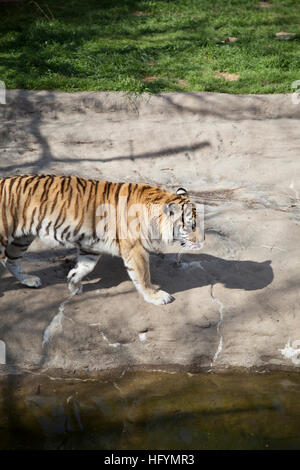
point(75, 289)
point(159, 297)
point(31, 281)
point(74, 284)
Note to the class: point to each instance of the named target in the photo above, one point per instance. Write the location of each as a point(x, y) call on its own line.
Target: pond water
point(151, 410)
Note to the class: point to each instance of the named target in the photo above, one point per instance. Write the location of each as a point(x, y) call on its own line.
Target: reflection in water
point(151, 410)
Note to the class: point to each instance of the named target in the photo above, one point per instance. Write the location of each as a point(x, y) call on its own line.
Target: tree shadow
point(29, 111)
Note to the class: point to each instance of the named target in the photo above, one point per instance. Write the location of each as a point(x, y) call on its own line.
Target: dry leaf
point(283, 35)
point(264, 5)
point(152, 63)
point(139, 13)
point(183, 82)
point(149, 79)
point(230, 39)
point(230, 77)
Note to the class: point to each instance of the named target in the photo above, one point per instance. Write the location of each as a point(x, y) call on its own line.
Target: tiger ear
point(181, 191)
point(171, 209)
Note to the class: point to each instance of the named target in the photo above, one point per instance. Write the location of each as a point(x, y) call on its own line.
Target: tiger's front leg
point(85, 264)
point(136, 261)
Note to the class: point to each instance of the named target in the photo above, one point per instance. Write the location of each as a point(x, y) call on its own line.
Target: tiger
point(96, 217)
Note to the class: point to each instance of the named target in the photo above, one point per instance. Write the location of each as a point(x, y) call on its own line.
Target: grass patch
point(150, 45)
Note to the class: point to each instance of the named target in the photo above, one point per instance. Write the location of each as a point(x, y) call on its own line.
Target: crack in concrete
point(273, 247)
point(220, 308)
point(68, 379)
point(56, 324)
point(112, 345)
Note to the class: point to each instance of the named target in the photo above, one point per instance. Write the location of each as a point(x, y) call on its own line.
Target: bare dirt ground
point(237, 301)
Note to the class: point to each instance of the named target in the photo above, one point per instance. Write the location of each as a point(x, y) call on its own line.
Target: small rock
point(142, 337)
point(284, 36)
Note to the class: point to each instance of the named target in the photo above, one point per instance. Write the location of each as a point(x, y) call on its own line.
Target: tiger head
point(182, 224)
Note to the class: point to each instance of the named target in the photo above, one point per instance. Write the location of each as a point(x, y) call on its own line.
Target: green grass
point(115, 44)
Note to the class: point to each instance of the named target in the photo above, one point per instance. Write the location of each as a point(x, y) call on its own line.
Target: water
point(151, 410)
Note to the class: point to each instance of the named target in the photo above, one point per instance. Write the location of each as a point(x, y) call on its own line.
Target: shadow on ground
point(172, 272)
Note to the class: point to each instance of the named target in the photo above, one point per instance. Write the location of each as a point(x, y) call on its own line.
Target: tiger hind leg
point(14, 252)
point(85, 264)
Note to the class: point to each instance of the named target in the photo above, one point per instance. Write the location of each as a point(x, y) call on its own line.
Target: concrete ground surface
point(236, 301)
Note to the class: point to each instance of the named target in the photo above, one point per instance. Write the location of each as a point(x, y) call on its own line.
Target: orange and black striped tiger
point(124, 219)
